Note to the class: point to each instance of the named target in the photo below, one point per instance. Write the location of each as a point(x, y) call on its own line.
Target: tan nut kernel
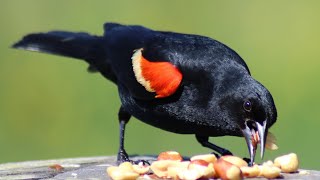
point(175, 168)
point(271, 142)
point(226, 170)
point(198, 162)
point(250, 172)
point(235, 160)
point(210, 158)
point(160, 168)
point(117, 173)
point(205, 169)
point(148, 176)
point(183, 164)
point(189, 174)
point(127, 166)
point(269, 172)
point(268, 163)
point(140, 169)
point(287, 163)
point(173, 171)
point(170, 155)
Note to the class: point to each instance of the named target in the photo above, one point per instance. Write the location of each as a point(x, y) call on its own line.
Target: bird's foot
point(226, 152)
point(140, 162)
point(123, 157)
point(216, 154)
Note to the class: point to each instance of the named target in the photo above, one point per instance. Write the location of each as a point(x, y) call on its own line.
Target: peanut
point(198, 162)
point(174, 171)
point(160, 168)
point(235, 160)
point(227, 170)
point(210, 158)
point(287, 163)
point(192, 174)
point(268, 163)
point(204, 168)
point(170, 155)
point(269, 172)
point(250, 172)
point(271, 142)
point(147, 176)
point(140, 169)
point(116, 173)
point(127, 166)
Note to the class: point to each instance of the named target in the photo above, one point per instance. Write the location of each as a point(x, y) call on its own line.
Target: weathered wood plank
point(88, 168)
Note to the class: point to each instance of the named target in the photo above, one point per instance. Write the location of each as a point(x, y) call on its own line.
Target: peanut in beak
point(270, 141)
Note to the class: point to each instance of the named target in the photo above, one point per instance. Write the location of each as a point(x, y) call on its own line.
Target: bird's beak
point(255, 133)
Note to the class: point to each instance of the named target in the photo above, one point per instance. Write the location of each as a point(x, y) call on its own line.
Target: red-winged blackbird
point(182, 83)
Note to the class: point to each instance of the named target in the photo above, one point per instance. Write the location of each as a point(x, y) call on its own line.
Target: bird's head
point(251, 105)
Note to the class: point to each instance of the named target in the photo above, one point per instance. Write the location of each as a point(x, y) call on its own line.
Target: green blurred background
point(50, 107)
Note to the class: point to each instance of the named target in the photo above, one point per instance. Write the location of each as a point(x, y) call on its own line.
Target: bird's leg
point(122, 154)
point(123, 120)
point(204, 141)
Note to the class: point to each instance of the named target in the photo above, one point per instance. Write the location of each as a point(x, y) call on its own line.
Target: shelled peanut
point(268, 171)
point(239, 162)
point(226, 170)
point(250, 172)
point(287, 163)
point(166, 160)
point(124, 171)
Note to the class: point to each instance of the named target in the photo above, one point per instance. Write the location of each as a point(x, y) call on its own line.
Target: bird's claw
point(140, 162)
point(216, 154)
point(122, 157)
point(226, 152)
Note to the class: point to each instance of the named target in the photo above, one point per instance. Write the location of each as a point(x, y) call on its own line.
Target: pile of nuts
point(170, 165)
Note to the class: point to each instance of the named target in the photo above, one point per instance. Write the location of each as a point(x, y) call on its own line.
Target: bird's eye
point(247, 106)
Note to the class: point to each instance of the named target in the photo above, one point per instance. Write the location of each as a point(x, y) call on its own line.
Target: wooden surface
point(88, 168)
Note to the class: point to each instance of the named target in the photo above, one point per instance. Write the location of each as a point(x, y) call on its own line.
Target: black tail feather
point(76, 45)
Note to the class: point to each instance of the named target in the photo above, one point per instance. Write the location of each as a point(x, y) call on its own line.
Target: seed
point(271, 142)
point(204, 168)
point(160, 168)
point(190, 174)
point(127, 166)
point(140, 169)
point(170, 155)
point(287, 163)
point(250, 172)
point(235, 160)
point(227, 170)
point(210, 158)
point(173, 171)
point(116, 173)
point(269, 172)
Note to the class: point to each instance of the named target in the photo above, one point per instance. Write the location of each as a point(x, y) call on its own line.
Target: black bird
point(182, 83)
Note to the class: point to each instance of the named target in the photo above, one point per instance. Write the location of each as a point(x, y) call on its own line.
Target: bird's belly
point(173, 124)
point(156, 115)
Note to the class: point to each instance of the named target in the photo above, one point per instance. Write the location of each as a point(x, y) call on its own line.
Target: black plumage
point(216, 97)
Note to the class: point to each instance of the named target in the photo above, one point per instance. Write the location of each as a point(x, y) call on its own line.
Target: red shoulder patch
point(163, 78)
